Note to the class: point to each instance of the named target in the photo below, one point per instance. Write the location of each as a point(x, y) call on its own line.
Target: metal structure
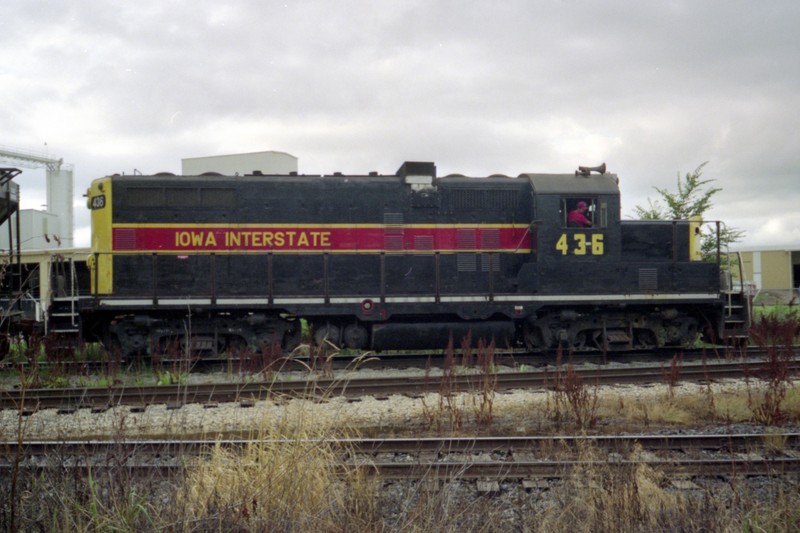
point(59, 211)
point(38, 245)
point(10, 285)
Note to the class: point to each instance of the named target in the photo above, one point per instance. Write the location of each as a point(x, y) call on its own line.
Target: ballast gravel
point(518, 412)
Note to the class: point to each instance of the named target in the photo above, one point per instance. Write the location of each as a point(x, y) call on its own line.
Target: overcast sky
point(652, 88)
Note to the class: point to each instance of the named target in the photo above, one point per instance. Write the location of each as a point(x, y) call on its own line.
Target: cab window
point(580, 212)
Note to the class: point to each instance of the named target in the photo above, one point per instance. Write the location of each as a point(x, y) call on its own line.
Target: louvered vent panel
point(144, 197)
point(469, 199)
point(392, 218)
point(465, 239)
point(648, 279)
point(490, 261)
point(393, 232)
point(423, 243)
point(490, 239)
point(125, 239)
point(467, 262)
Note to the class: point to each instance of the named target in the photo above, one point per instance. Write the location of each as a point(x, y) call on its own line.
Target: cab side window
point(578, 212)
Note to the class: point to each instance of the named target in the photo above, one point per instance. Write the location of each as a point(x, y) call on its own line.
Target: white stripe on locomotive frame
point(510, 298)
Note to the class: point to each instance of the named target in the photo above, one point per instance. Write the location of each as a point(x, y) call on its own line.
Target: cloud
point(652, 89)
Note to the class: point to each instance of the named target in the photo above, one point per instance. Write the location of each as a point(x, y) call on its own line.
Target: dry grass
point(612, 410)
point(605, 496)
point(290, 481)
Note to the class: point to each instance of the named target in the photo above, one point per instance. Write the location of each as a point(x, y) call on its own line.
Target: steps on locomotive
point(63, 316)
point(736, 321)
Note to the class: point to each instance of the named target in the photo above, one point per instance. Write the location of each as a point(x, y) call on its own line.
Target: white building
point(270, 162)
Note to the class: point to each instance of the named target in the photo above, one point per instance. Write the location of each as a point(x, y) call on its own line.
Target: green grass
point(777, 311)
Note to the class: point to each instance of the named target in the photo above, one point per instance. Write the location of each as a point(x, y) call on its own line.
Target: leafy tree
point(692, 199)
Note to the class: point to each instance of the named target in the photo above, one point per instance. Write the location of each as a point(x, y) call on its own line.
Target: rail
point(69, 400)
point(446, 458)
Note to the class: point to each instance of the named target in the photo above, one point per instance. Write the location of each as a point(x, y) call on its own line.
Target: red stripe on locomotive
point(321, 238)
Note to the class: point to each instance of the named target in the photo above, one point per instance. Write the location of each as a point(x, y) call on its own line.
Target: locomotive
point(403, 261)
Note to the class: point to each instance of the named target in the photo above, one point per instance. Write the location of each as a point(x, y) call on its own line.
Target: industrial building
point(240, 164)
point(774, 274)
point(37, 244)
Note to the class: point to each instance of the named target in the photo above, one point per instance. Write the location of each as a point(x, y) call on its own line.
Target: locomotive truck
point(403, 261)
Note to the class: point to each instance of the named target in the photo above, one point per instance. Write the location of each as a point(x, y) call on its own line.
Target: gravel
point(515, 412)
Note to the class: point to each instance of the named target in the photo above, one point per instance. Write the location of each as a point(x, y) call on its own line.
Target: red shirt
point(578, 218)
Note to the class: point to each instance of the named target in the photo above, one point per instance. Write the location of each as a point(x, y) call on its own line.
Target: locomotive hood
point(573, 184)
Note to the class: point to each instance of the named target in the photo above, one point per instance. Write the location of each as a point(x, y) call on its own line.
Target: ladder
point(738, 309)
point(63, 313)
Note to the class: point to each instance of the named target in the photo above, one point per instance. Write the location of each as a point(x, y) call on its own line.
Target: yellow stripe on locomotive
point(101, 266)
point(695, 238)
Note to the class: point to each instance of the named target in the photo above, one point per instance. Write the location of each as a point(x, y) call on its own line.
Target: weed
point(570, 394)
point(488, 383)
point(322, 356)
point(672, 375)
point(582, 401)
point(775, 334)
point(446, 414)
point(775, 439)
point(709, 393)
point(171, 378)
point(466, 350)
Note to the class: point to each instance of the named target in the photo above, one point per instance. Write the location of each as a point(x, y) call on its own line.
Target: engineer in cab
point(577, 217)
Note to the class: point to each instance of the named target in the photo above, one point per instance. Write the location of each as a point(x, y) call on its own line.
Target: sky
point(652, 88)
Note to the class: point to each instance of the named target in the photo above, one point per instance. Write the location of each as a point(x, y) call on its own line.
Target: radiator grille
point(125, 239)
point(466, 199)
point(467, 262)
point(490, 261)
point(423, 243)
point(465, 239)
point(648, 279)
point(393, 232)
point(490, 239)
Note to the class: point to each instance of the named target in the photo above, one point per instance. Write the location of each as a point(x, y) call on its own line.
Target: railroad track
point(448, 458)
point(100, 398)
point(402, 360)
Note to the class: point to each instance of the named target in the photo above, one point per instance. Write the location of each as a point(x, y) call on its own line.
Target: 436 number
point(98, 202)
point(581, 245)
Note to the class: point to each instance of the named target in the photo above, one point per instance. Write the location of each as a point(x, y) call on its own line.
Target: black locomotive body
point(389, 262)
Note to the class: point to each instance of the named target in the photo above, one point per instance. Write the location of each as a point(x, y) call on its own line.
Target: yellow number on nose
point(597, 244)
point(561, 245)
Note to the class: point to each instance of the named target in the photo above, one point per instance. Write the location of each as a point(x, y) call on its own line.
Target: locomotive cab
point(579, 216)
point(576, 225)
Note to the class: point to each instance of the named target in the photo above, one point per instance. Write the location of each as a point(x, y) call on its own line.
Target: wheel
point(112, 347)
point(645, 339)
point(534, 340)
point(327, 336)
point(355, 336)
point(293, 337)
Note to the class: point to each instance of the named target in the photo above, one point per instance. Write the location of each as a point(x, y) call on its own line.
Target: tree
point(691, 200)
